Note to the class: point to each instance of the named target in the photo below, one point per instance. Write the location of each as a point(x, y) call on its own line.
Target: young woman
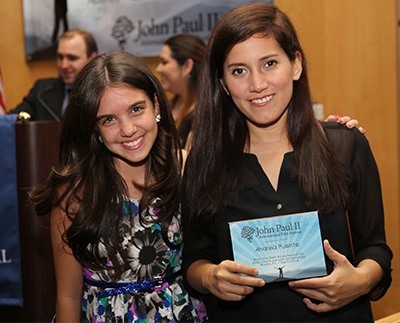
point(114, 200)
point(264, 154)
point(182, 57)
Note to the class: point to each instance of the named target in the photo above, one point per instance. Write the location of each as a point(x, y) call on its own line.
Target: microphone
point(24, 116)
point(48, 109)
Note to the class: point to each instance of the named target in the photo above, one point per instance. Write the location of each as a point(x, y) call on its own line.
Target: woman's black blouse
point(256, 198)
point(184, 129)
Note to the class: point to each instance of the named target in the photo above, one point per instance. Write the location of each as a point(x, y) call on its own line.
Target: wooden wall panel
point(18, 75)
point(353, 62)
point(363, 79)
point(351, 46)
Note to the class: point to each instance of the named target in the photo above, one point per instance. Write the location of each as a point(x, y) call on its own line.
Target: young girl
point(264, 154)
point(114, 200)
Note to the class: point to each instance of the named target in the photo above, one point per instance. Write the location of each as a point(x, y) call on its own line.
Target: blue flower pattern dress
point(135, 297)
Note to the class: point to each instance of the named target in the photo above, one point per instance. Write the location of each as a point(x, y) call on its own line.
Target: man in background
point(48, 98)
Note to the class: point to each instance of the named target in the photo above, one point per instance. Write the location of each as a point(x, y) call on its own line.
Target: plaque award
point(285, 247)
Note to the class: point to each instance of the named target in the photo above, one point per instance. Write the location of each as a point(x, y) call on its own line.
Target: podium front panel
point(37, 152)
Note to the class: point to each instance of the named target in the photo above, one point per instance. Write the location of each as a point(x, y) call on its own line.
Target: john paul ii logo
point(121, 30)
point(247, 233)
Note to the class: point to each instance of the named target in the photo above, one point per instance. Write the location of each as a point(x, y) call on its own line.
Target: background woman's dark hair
point(213, 164)
point(185, 46)
point(86, 179)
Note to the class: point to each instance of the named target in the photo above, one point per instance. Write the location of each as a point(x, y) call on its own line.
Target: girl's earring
point(101, 139)
point(158, 118)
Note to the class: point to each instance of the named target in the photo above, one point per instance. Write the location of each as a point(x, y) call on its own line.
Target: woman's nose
point(258, 82)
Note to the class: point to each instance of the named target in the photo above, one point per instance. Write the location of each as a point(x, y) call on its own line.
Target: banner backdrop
point(10, 259)
point(136, 26)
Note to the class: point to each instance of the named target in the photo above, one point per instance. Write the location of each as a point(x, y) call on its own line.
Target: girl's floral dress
point(152, 289)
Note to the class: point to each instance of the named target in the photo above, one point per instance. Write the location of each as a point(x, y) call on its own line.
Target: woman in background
point(182, 57)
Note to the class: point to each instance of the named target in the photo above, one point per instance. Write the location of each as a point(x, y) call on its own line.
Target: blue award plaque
point(284, 247)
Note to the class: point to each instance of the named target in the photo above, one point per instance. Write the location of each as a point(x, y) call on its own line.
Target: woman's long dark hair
point(86, 182)
point(220, 130)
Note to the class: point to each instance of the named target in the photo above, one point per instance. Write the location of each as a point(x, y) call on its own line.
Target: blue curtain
point(10, 259)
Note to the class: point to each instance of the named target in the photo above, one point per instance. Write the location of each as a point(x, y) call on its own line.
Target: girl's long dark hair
point(85, 182)
point(220, 130)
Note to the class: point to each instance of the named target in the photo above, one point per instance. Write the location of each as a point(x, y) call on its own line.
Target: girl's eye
point(106, 121)
point(136, 109)
point(238, 71)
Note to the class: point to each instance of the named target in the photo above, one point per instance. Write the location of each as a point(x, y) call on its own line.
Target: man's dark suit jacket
point(44, 101)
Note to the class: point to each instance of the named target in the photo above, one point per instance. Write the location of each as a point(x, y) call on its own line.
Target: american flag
point(2, 96)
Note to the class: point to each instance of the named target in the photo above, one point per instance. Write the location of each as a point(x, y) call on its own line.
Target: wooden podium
point(37, 151)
